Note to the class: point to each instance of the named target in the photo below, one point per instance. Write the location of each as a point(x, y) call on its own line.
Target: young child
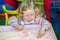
point(28, 15)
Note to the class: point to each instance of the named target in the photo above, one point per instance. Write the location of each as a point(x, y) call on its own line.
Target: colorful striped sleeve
point(12, 21)
point(44, 23)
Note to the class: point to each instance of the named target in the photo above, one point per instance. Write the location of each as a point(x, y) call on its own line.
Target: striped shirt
point(39, 20)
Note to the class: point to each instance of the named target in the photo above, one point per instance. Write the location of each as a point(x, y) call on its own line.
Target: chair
point(8, 12)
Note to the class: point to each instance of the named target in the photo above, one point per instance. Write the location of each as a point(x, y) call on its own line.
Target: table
point(29, 33)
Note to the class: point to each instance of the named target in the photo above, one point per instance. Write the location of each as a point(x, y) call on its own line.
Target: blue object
point(8, 7)
point(2, 2)
point(54, 12)
point(1, 10)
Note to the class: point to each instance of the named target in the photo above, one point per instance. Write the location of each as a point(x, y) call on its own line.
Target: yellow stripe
point(55, 38)
point(6, 18)
point(10, 11)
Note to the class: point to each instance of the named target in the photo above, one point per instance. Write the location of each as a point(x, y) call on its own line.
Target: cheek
point(25, 17)
point(33, 16)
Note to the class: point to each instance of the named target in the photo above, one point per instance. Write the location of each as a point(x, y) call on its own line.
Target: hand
point(41, 33)
point(19, 27)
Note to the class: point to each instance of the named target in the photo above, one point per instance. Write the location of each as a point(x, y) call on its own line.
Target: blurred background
point(49, 9)
point(9, 8)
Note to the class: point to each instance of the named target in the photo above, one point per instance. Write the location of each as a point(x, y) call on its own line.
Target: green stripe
point(2, 20)
point(38, 3)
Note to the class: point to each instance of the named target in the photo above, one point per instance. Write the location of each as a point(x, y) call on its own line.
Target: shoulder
point(41, 19)
point(13, 18)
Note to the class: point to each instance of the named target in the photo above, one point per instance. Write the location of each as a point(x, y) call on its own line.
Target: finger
point(39, 35)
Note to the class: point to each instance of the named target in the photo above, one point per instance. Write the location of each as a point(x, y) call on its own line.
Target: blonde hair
point(28, 4)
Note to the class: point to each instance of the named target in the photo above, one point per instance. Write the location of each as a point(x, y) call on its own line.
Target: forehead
point(29, 11)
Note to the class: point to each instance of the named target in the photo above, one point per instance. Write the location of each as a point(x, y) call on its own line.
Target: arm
point(19, 27)
point(45, 26)
point(14, 23)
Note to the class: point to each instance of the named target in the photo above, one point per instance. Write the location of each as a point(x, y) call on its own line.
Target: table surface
point(10, 33)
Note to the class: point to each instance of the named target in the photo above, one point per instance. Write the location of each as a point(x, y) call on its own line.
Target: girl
point(28, 15)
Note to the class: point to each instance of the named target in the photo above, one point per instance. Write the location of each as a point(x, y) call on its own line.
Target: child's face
point(29, 15)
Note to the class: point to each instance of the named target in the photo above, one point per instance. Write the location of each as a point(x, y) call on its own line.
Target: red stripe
point(12, 3)
point(47, 9)
point(59, 16)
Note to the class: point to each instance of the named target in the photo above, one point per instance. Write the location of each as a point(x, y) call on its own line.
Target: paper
point(26, 34)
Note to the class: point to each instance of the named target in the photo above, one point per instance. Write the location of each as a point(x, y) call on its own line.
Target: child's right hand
point(41, 34)
point(19, 27)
